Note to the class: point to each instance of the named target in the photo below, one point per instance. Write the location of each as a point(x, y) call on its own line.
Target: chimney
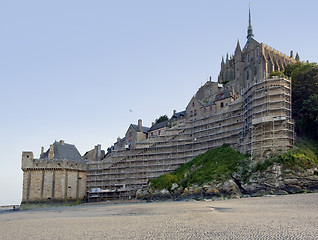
point(42, 151)
point(174, 112)
point(210, 78)
point(152, 123)
point(98, 150)
point(51, 152)
point(62, 142)
point(118, 139)
point(139, 125)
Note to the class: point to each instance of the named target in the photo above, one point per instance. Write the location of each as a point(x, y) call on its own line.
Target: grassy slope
point(216, 164)
point(303, 156)
point(220, 163)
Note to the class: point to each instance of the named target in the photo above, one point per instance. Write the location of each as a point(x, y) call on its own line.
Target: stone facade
point(246, 109)
point(60, 174)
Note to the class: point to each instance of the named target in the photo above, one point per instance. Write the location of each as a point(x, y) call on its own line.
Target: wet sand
point(272, 217)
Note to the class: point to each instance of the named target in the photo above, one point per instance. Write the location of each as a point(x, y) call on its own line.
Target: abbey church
point(246, 109)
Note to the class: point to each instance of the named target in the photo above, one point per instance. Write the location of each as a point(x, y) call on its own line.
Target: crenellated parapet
point(60, 174)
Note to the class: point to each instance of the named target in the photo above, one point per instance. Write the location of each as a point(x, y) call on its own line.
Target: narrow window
point(195, 112)
point(221, 104)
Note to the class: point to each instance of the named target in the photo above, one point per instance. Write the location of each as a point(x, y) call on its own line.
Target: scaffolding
point(272, 127)
point(258, 123)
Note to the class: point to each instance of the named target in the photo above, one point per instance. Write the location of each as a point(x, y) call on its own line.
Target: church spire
point(250, 34)
point(250, 28)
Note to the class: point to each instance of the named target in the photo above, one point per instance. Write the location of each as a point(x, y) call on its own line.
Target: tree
point(162, 119)
point(304, 95)
point(308, 121)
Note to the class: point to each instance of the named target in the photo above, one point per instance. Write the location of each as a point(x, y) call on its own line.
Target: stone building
point(60, 174)
point(246, 109)
point(252, 63)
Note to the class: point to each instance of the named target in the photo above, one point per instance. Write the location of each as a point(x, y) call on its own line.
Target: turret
point(27, 160)
point(297, 57)
point(222, 63)
point(51, 152)
point(238, 52)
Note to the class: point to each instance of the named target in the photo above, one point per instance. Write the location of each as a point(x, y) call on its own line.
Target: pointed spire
point(297, 58)
point(238, 47)
point(250, 28)
point(222, 63)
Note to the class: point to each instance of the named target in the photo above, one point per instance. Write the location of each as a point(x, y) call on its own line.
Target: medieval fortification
point(246, 109)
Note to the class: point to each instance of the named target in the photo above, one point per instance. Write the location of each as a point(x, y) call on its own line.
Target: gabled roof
point(144, 129)
point(159, 125)
point(179, 115)
point(226, 93)
point(64, 151)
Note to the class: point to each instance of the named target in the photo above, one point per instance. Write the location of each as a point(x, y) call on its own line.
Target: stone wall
point(52, 181)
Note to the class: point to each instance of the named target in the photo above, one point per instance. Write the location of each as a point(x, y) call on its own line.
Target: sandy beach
point(272, 217)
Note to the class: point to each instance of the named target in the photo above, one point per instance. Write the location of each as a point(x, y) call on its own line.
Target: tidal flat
point(268, 217)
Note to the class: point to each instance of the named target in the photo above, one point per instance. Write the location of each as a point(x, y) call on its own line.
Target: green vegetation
point(276, 73)
point(225, 82)
point(162, 119)
point(303, 156)
point(217, 164)
point(304, 97)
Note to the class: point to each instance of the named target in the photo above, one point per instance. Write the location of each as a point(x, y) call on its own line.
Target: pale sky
point(73, 69)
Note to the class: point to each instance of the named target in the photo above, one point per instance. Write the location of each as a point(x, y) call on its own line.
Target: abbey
point(246, 109)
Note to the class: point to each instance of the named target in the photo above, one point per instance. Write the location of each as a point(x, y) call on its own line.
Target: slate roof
point(144, 129)
point(226, 93)
point(179, 115)
point(159, 125)
point(64, 152)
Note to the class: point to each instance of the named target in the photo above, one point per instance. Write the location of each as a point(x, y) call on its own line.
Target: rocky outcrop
point(227, 189)
point(275, 180)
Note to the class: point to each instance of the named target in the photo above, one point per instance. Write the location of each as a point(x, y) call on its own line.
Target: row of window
point(194, 113)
